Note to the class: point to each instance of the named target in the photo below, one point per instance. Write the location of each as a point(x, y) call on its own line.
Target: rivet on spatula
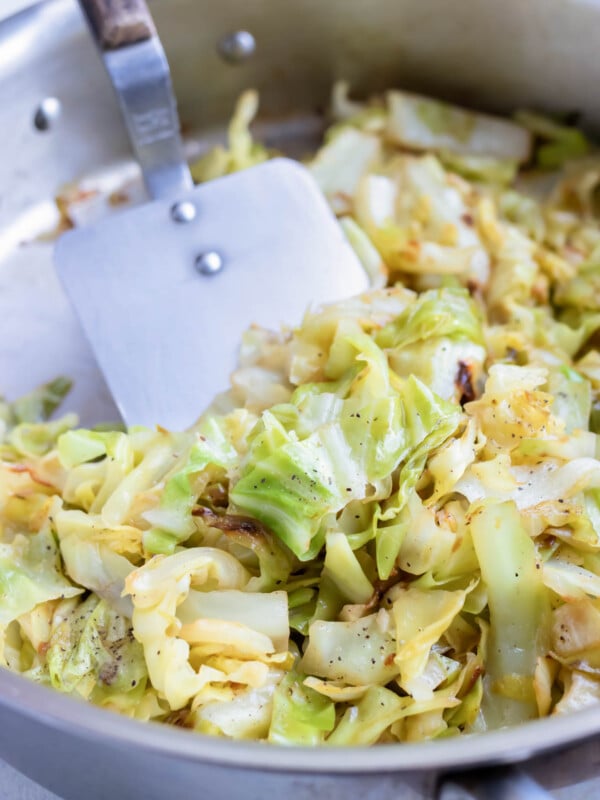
point(183, 211)
point(209, 263)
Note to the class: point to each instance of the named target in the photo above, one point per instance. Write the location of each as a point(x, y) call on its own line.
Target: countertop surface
point(14, 786)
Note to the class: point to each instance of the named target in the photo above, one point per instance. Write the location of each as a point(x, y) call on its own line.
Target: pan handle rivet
point(209, 263)
point(183, 211)
point(236, 47)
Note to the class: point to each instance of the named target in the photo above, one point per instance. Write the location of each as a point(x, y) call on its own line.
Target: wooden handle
point(118, 22)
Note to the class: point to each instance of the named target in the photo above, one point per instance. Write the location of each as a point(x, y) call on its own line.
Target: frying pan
point(59, 123)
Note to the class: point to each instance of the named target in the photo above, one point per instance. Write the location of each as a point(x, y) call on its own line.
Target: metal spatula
point(165, 290)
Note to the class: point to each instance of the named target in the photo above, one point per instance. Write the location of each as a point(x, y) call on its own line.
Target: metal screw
point(183, 211)
point(47, 113)
point(237, 46)
point(209, 263)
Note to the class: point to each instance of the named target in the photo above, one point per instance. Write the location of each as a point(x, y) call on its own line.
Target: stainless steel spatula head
point(164, 302)
point(165, 291)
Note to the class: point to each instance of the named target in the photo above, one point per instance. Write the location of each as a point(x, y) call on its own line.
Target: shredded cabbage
point(388, 529)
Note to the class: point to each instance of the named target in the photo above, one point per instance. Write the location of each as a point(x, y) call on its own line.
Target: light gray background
point(14, 786)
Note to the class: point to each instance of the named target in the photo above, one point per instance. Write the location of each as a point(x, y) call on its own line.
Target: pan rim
point(508, 745)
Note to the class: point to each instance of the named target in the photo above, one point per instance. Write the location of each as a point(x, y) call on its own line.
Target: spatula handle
point(118, 22)
point(137, 67)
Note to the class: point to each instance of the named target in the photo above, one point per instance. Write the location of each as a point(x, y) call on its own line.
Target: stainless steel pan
point(59, 122)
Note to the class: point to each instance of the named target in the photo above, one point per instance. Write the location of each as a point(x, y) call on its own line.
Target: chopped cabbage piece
point(519, 612)
point(301, 716)
point(30, 574)
point(425, 124)
point(242, 150)
point(356, 652)
point(421, 617)
point(559, 143)
point(342, 162)
point(92, 652)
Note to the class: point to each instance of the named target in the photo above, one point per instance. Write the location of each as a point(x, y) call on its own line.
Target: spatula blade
point(165, 335)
